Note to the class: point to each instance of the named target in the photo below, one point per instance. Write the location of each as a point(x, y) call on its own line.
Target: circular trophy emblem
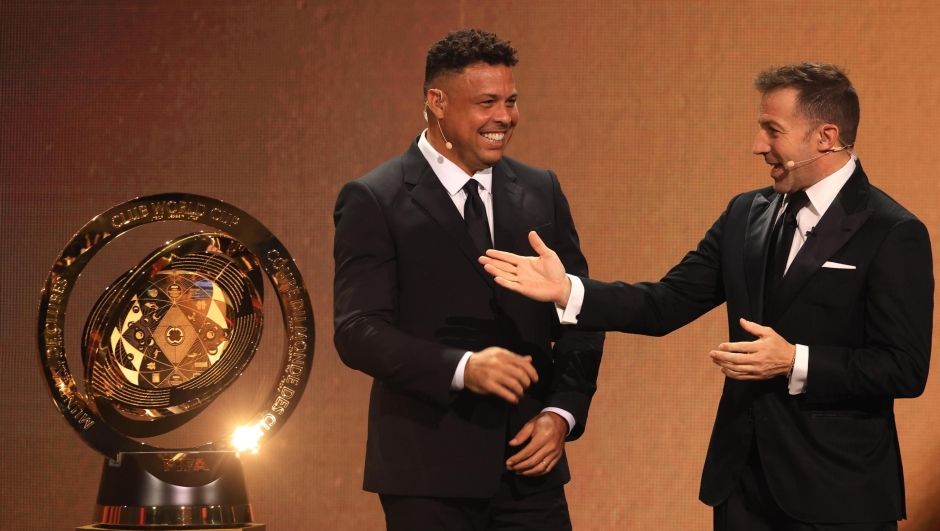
point(168, 337)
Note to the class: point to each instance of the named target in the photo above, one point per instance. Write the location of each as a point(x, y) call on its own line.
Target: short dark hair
point(462, 48)
point(825, 94)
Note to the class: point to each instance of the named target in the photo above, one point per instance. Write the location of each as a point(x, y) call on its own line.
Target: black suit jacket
point(830, 454)
point(410, 299)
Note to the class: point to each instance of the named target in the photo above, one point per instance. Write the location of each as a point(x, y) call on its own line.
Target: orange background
point(644, 109)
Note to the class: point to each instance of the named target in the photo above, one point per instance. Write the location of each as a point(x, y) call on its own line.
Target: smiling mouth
point(493, 137)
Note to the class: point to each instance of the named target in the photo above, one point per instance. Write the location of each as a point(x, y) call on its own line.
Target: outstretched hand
point(540, 278)
point(768, 356)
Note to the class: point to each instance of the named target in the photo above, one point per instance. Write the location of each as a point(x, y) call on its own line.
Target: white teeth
point(495, 137)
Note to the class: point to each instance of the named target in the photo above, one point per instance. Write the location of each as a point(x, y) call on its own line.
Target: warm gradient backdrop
point(644, 109)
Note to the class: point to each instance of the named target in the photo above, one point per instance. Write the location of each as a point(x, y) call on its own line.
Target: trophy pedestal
point(166, 490)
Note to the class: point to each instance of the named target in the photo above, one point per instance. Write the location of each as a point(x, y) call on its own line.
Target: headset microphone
point(790, 164)
point(447, 144)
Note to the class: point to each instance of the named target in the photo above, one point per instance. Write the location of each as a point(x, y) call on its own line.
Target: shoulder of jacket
point(886, 209)
point(521, 169)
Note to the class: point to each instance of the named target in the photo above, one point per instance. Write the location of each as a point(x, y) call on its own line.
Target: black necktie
point(474, 213)
point(780, 242)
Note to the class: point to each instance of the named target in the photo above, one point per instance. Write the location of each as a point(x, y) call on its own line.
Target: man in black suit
point(471, 404)
point(840, 278)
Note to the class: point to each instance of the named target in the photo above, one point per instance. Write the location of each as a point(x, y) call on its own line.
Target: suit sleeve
point(898, 326)
point(688, 291)
point(365, 291)
point(577, 354)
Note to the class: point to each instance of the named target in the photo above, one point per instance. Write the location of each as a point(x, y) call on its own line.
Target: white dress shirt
point(453, 178)
point(821, 195)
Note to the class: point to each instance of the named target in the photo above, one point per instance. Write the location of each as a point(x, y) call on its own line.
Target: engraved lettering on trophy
point(74, 406)
point(129, 216)
point(296, 354)
point(268, 421)
point(298, 342)
point(297, 351)
point(55, 297)
point(84, 420)
point(299, 314)
point(52, 332)
point(178, 210)
point(55, 359)
point(60, 285)
point(52, 318)
point(279, 405)
point(284, 277)
point(286, 283)
point(223, 217)
point(297, 358)
point(282, 402)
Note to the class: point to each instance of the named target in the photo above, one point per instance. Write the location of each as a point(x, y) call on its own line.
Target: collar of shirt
point(451, 176)
point(822, 194)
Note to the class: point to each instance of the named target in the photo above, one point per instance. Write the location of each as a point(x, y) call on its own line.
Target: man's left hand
point(546, 435)
point(770, 355)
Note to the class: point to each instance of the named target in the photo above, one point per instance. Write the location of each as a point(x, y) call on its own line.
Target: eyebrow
point(769, 121)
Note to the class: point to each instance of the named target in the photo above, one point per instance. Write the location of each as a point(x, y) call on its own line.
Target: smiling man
point(829, 285)
point(471, 402)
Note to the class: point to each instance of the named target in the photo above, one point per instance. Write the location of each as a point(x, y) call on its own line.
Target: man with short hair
point(471, 404)
point(839, 277)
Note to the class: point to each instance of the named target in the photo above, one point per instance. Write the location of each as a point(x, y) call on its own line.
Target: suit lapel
point(841, 221)
point(428, 192)
point(508, 199)
point(760, 222)
point(507, 207)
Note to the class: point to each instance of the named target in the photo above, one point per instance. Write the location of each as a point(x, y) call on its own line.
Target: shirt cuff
point(569, 314)
point(457, 383)
point(569, 418)
point(800, 368)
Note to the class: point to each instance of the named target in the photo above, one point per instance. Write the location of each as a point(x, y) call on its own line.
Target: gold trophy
point(163, 341)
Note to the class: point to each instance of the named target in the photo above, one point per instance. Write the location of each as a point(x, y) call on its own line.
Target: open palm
point(540, 278)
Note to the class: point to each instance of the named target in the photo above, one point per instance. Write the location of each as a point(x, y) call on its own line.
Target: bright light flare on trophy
point(247, 438)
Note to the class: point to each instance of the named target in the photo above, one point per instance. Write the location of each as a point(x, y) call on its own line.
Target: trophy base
point(166, 490)
point(243, 527)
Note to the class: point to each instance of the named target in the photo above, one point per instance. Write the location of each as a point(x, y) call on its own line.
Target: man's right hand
point(542, 279)
point(496, 371)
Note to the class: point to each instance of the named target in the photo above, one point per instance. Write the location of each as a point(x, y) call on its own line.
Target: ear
point(828, 137)
point(435, 102)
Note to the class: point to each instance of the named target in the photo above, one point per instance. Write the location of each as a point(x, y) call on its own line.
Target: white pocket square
point(837, 265)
